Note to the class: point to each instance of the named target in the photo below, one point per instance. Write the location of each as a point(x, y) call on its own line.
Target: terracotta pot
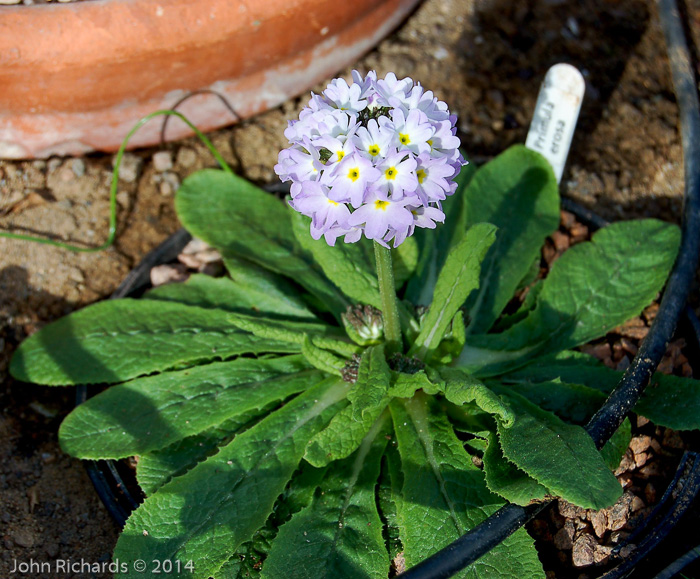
point(75, 77)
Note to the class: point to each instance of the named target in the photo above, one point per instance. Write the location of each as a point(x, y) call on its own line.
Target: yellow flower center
point(430, 142)
point(421, 175)
point(340, 154)
point(390, 173)
point(354, 174)
point(332, 202)
point(374, 150)
point(379, 204)
point(404, 138)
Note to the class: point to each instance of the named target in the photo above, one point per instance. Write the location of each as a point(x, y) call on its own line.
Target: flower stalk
point(387, 291)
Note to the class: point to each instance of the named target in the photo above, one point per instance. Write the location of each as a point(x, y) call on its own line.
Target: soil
point(485, 58)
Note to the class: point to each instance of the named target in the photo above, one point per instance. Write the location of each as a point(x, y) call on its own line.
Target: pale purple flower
point(375, 157)
point(378, 215)
point(397, 174)
point(311, 199)
point(372, 141)
point(433, 178)
point(411, 132)
point(349, 179)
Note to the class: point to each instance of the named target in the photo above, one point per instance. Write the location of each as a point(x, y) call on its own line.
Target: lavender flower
point(375, 157)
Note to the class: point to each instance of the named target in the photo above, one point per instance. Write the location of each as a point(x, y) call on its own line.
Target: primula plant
point(332, 403)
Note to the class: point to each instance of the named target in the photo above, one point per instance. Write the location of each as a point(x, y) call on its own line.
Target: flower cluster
point(374, 157)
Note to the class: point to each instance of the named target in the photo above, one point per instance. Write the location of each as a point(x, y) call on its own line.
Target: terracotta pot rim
point(72, 92)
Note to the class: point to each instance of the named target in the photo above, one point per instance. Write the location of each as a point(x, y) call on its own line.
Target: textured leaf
point(322, 359)
point(368, 397)
point(153, 412)
point(263, 231)
point(571, 402)
point(372, 383)
point(616, 447)
point(404, 261)
point(344, 264)
point(117, 340)
point(244, 296)
point(518, 193)
point(249, 558)
point(156, 468)
point(458, 277)
point(435, 244)
point(443, 495)
point(560, 456)
point(669, 401)
point(406, 385)
point(506, 479)
point(321, 335)
point(592, 288)
point(340, 534)
point(453, 342)
point(461, 388)
point(207, 513)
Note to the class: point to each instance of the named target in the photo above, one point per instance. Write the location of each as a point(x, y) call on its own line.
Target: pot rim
point(123, 59)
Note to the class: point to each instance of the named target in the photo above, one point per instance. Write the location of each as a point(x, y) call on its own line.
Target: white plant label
point(556, 113)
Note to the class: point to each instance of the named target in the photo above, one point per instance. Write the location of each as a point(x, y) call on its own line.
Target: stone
point(564, 538)
point(583, 551)
point(162, 274)
point(163, 161)
point(130, 167)
point(169, 183)
point(186, 157)
point(78, 166)
point(599, 522)
point(195, 246)
point(23, 538)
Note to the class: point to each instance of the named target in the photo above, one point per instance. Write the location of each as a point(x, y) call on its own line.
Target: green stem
point(387, 291)
point(115, 183)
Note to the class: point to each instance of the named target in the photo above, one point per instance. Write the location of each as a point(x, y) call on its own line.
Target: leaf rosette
point(279, 435)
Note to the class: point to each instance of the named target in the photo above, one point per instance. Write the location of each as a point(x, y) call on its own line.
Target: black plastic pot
point(679, 497)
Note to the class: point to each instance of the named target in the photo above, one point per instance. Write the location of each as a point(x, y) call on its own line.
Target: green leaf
point(243, 296)
point(344, 264)
point(560, 456)
point(368, 398)
point(669, 401)
point(153, 412)
point(207, 513)
point(571, 402)
point(340, 534)
point(592, 288)
point(616, 447)
point(506, 479)
point(405, 261)
point(322, 335)
point(406, 385)
point(372, 382)
point(461, 388)
point(249, 558)
point(443, 495)
point(263, 231)
point(458, 277)
point(518, 193)
point(322, 359)
point(453, 342)
point(117, 340)
point(157, 467)
point(435, 244)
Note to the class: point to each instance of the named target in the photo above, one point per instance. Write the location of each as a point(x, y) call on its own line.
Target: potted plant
point(310, 413)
